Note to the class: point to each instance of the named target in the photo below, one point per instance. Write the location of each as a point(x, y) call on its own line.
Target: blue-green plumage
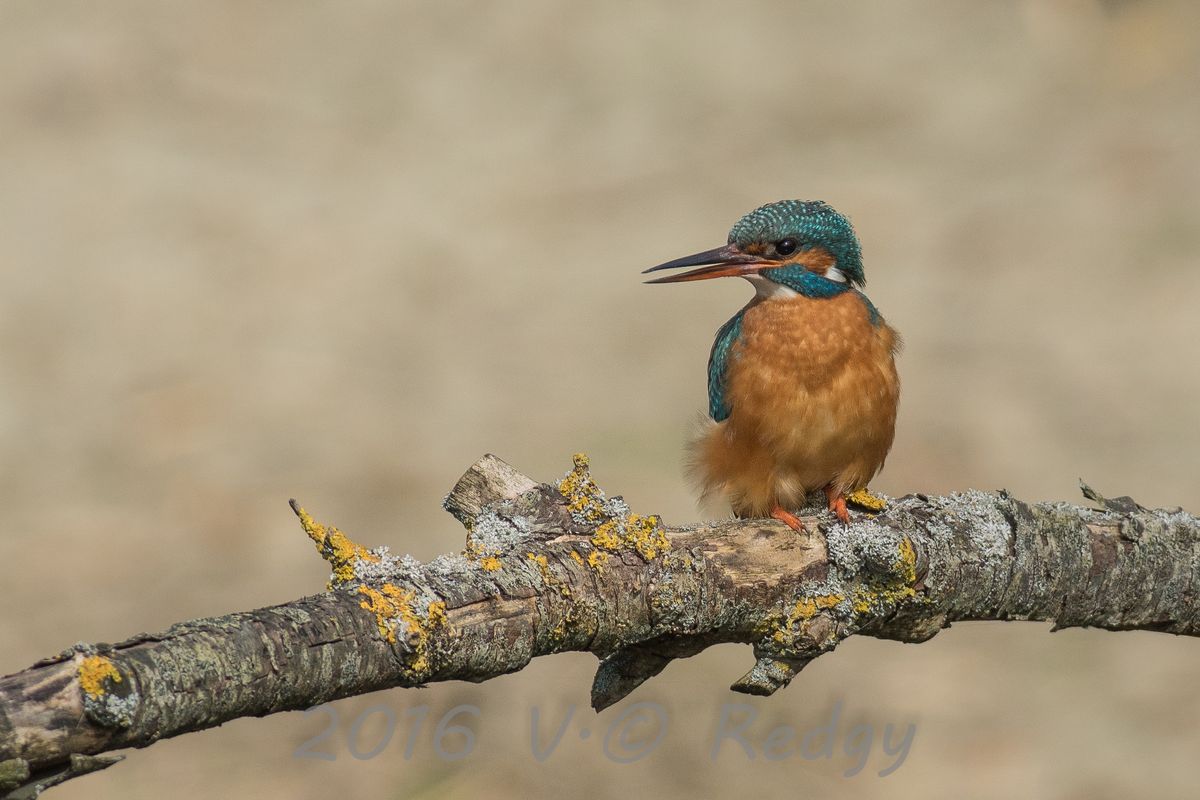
point(800, 280)
point(718, 408)
point(810, 223)
point(872, 311)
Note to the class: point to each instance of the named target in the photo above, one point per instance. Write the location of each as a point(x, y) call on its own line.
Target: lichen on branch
point(548, 568)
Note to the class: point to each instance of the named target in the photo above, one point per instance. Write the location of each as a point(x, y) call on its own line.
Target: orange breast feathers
point(812, 390)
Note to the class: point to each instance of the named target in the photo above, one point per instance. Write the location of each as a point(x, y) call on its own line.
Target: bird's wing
point(718, 407)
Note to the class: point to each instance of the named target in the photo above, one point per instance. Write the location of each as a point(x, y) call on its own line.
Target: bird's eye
point(785, 247)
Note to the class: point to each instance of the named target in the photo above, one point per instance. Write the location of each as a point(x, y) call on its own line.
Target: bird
point(802, 381)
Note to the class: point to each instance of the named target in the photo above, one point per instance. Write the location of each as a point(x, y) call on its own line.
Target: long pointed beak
point(720, 262)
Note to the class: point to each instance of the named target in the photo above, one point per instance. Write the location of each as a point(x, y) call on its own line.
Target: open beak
point(722, 262)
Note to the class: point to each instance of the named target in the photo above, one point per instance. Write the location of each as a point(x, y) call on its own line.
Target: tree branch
point(548, 569)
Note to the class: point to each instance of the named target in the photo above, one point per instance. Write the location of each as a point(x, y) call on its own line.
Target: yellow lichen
point(606, 536)
point(885, 594)
point(805, 609)
point(864, 499)
point(92, 673)
point(906, 567)
point(584, 497)
point(437, 614)
point(386, 604)
point(560, 629)
point(876, 597)
point(335, 547)
point(489, 562)
point(392, 606)
point(616, 530)
point(595, 560)
point(646, 535)
point(642, 533)
point(861, 601)
point(547, 575)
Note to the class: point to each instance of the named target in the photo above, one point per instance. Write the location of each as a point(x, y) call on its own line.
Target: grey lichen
point(494, 534)
point(384, 566)
point(110, 698)
point(921, 565)
point(976, 513)
point(865, 545)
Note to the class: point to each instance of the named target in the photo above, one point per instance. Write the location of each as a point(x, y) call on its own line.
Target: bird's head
point(805, 247)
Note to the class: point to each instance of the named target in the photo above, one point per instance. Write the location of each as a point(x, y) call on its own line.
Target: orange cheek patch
point(815, 259)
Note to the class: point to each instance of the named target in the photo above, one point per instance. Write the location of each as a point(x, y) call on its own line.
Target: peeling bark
point(548, 569)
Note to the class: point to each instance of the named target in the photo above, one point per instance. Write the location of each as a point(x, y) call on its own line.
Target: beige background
point(336, 251)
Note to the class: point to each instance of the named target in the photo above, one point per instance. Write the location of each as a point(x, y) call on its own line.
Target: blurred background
point(337, 251)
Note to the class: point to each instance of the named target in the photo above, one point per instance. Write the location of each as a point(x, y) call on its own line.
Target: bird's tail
point(738, 471)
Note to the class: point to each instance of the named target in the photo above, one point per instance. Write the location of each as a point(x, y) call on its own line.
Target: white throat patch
point(768, 289)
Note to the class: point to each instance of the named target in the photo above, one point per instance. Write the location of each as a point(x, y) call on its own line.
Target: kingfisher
point(802, 382)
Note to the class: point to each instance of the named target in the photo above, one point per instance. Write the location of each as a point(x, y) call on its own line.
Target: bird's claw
point(837, 504)
point(787, 518)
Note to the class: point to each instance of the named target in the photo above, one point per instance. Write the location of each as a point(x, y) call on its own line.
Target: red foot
point(837, 504)
point(787, 518)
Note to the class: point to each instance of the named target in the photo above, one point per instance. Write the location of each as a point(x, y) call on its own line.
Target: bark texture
point(551, 568)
